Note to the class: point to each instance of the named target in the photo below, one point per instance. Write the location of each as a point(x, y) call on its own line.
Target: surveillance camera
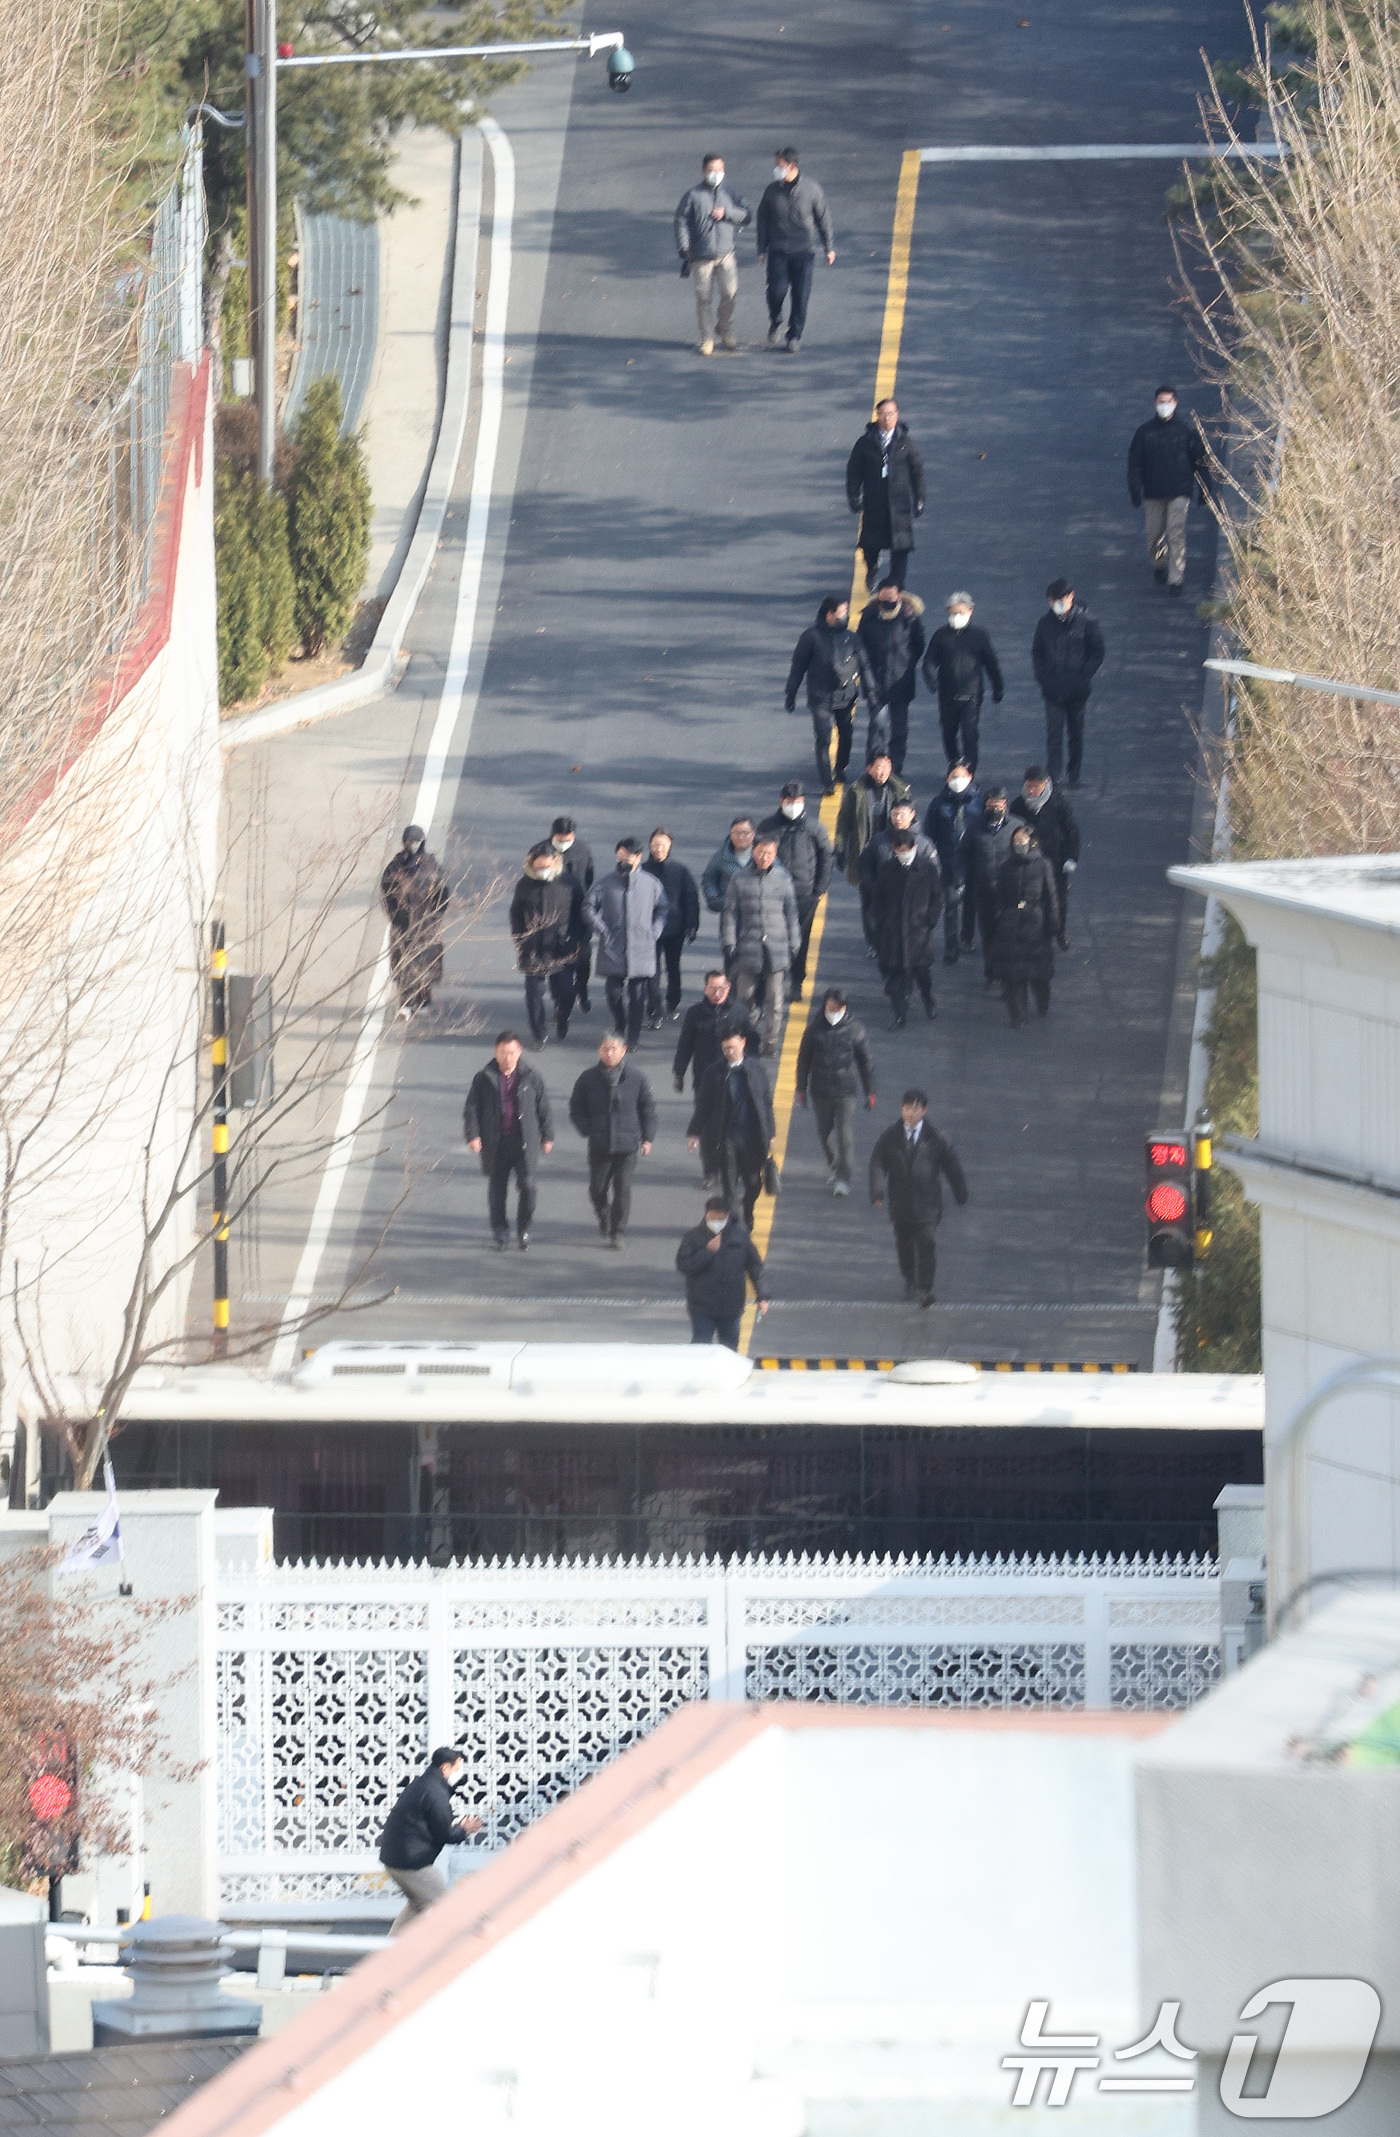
point(621, 67)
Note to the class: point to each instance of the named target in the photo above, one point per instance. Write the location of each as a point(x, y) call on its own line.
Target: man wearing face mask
point(904, 1171)
point(1066, 653)
point(959, 655)
point(1027, 919)
point(792, 216)
point(989, 848)
point(705, 1024)
point(885, 485)
point(735, 852)
point(864, 813)
point(627, 912)
point(904, 911)
point(904, 816)
point(760, 935)
point(951, 820)
point(708, 221)
point(715, 1259)
point(415, 894)
point(833, 661)
point(804, 850)
point(834, 1066)
point(1167, 467)
point(1051, 818)
point(576, 860)
point(892, 632)
point(546, 924)
point(732, 1125)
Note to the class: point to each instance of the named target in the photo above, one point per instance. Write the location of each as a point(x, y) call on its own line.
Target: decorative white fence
point(334, 1682)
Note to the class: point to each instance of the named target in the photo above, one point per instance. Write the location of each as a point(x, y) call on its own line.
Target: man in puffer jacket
point(761, 934)
point(708, 220)
point(627, 912)
point(832, 659)
point(804, 850)
point(546, 924)
point(792, 218)
point(892, 632)
point(834, 1067)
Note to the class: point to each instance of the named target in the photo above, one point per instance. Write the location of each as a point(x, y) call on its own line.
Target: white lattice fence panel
point(932, 1674)
point(348, 1729)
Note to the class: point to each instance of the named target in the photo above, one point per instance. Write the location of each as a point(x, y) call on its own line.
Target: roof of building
point(126, 2090)
point(1363, 889)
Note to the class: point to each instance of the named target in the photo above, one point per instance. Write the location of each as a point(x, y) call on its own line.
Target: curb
point(382, 664)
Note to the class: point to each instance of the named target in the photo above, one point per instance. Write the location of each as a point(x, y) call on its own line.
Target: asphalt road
point(672, 524)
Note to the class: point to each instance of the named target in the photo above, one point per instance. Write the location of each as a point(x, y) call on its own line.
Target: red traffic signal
point(49, 1796)
point(1167, 1206)
point(51, 1843)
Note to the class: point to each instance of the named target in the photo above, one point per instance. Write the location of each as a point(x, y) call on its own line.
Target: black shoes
point(950, 957)
point(1176, 592)
point(603, 1224)
point(501, 1241)
point(561, 1029)
point(925, 1301)
point(1160, 574)
point(585, 1007)
point(898, 1023)
point(911, 1292)
point(930, 1009)
point(524, 1242)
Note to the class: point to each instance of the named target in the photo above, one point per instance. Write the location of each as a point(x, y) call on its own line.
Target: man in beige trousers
point(708, 221)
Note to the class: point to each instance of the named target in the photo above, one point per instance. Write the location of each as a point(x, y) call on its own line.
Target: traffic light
point(51, 1843)
point(1168, 1203)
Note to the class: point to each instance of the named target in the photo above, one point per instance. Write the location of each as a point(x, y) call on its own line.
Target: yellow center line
point(891, 335)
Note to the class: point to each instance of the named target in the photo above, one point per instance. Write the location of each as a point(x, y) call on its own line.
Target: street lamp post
point(1325, 683)
point(265, 57)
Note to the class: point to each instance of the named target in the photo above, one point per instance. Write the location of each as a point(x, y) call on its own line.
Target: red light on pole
point(50, 1796)
point(1167, 1207)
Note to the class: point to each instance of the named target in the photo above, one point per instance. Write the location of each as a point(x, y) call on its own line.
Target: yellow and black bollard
point(1201, 1136)
point(218, 1021)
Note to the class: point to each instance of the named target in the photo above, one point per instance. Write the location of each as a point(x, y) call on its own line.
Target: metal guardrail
point(271, 1945)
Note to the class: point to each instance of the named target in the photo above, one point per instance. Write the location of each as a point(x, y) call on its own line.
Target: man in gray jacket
point(761, 933)
point(708, 221)
point(627, 911)
point(792, 217)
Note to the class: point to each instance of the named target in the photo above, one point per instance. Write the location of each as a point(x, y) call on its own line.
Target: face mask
point(1020, 849)
point(834, 1016)
point(561, 845)
point(715, 179)
point(779, 172)
point(1061, 608)
point(715, 1224)
point(995, 817)
point(889, 608)
point(547, 872)
point(905, 856)
point(793, 809)
point(1166, 410)
point(958, 786)
point(959, 620)
point(1036, 801)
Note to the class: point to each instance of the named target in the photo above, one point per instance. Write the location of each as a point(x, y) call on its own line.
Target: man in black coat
point(704, 1025)
point(612, 1108)
point(546, 923)
point(834, 1066)
point(507, 1122)
point(904, 912)
point(804, 850)
point(951, 819)
point(959, 655)
point(1045, 809)
point(885, 484)
point(792, 218)
point(415, 894)
point(832, 659)
point(715, 1259)
point(904, 1170)
point(682, 924)
point(989, 847)
point(576, 860)
point(1023, 955)
point(416, 1831)
point(891, 630)
point(1066, 653)
point(1167, 467)
point(732, 1126)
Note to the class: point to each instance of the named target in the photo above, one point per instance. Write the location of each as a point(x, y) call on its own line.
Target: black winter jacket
point(710, 1120)
point(955, 664)
point(893, 649)
point(420, 1825)
point(833, 660)
point(833, 1060)
point(481, 1115)
point(879, 851)
point(546, 920)
point(613, 1119)
point(578, 863)
point(1028, 919)
point(885, 485)
point(682, 897)
point(804, 850)
point(1057, 833)
point(988, 847)
point(698, 235)
point(703, 1026)
point(908, 1181)
point(950, 821)
point(1167, 460)
point(905, 911)
point(714, 1283)
point(793, 216)
point(865, 810)
point(1067, 653)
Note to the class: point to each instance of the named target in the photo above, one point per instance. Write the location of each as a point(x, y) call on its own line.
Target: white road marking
point(440, 744)
point(1101, 152)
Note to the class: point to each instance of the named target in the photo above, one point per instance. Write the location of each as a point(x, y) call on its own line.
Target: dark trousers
point(806, 913)
point(538, 989)
point(789, 273)
point(509, 1158)
point(822, 725)
point(704, 1327)
point(899, 560)
point(1062, 884)
point(610, 1187)
point(581, 972)
point(633, 994)
point(960, 723)
point(986, 926)
point(741, 1186)
point(669, 948)
point(1059, 715)
point(1017, 1003)
point(916, 1246)
point(898, 981)
point(890, 729)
